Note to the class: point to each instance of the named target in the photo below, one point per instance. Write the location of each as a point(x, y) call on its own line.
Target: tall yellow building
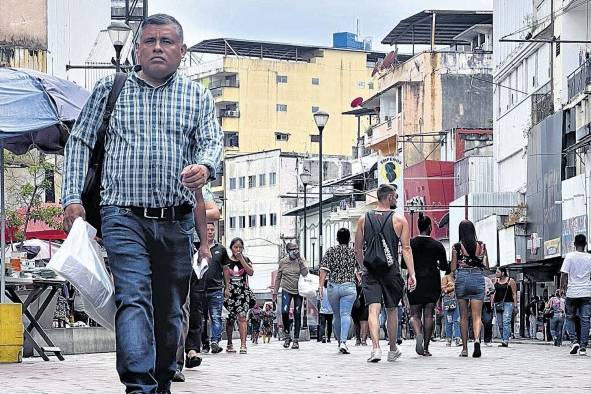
point(266, 94)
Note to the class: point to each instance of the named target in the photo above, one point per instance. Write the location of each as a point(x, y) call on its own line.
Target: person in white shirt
point(576, 280)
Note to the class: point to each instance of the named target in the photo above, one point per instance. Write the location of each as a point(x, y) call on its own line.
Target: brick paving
point(319, 368)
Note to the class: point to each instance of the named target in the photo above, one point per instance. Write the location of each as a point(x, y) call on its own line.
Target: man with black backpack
point(378, 236)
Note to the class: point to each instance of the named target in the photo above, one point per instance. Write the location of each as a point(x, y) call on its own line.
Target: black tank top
point(390, 235)
point(503, 292)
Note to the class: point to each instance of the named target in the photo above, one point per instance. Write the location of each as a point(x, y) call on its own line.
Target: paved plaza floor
point(319, 368)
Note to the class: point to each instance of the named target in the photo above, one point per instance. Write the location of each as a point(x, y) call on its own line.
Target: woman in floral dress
point(268, 320)
point(239, 297)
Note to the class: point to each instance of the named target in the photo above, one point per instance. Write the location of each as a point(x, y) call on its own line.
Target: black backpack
point(377, 256)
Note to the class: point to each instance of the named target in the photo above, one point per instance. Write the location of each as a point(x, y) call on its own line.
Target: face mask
point(293, 254)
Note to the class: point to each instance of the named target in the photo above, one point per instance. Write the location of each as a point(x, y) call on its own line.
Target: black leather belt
point(168, 213)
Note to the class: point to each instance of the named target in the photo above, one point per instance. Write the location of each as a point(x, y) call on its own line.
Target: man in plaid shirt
point(163, 144)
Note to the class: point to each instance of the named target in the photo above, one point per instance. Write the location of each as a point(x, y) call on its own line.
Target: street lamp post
point(305, 178)
point(320, 118)
point(313, 241)
point(118, 33)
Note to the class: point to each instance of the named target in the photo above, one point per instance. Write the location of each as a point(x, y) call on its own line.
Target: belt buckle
point(154, 217)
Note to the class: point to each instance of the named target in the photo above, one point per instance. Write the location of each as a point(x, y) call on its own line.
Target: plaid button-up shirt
point(154, 133)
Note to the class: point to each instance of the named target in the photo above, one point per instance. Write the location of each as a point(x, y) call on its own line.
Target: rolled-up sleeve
point(210, 138)
point(81, 142)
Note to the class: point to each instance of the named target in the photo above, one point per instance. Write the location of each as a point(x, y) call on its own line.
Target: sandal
point(464, 353)
point(230, 349)
point(242, 349)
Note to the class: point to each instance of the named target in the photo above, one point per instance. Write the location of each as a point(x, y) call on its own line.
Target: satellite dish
point(356, 102)
point(390, 59)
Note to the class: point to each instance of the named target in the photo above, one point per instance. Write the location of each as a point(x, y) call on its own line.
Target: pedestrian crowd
point(163, 145)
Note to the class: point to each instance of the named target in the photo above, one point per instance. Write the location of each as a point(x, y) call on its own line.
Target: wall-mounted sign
point(552, 248)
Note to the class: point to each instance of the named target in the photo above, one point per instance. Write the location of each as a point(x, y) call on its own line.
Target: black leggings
point(422, 321)
point(297, 312)
point(325, 326)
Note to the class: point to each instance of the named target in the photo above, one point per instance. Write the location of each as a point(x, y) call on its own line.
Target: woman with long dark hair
point(505, 302)
point(239, 297)
point(469, 260)
point(429, 257)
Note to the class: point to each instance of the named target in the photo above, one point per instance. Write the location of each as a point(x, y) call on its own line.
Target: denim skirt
point(470, 284)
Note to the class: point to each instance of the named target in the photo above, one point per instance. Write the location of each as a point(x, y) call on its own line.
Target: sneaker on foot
point(448, 343)
point(394, 355)
point(375, 356)
point(574, 348)
point(582, 352)
point(295, 344)
point(503, 344)
point(419, 348)
point(458, 342)
point(287, 342)
point(399, 341)
point(215, 348)
point(343, 348)
point(178, 377)
point(488, 344)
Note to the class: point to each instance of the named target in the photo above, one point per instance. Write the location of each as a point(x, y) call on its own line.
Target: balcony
point(225, 94)
point(579, 79)
point(383, 135)
point(542, 104)
point(229, 123)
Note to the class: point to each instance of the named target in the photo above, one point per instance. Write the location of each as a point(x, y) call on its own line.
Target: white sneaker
point(343, 348)
point(376, 355)
point(394, 355)
point(582, 352)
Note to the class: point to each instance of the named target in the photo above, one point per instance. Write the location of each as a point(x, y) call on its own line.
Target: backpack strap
point(386, 221)
point(99, 146)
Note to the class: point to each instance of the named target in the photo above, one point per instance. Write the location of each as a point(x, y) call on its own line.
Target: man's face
point(210, 233)
point(392, 197)
point(159, 51)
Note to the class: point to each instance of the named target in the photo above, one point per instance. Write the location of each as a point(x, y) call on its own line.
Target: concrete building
point(266, 93)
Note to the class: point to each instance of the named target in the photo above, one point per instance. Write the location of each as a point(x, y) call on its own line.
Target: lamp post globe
point(118, 33)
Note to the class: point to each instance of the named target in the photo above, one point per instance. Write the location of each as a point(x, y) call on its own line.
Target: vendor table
point(38, 287)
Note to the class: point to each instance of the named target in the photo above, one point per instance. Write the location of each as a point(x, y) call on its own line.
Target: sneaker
point(394, 355)
point(364, 343)
point(375, 356)
point(458, 342)
point(448, 343)
point(215, 348)
point(503, 344)
point(399, 341)
point(178, 377)
point(582, 352)
point(343, 348)
point(419, 348)
point(323, 340)
point(488, 344)
point(205, 350)
point(574, 349)
point(295, 344)
point(358, 342)
point(287, 342)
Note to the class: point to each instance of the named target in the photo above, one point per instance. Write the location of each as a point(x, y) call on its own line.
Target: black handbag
point(91, 194)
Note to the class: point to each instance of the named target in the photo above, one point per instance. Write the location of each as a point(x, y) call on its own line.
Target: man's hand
point(71, 213)
point(412, 283)
point(195, 176)
point(204, 252)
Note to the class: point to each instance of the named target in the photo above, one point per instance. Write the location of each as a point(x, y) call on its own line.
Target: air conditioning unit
point(233, 114)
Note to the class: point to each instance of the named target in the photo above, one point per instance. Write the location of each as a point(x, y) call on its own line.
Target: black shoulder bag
point(91, 194)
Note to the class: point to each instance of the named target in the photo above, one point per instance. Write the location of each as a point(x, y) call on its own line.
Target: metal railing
point(224, 84)
point(578, 80)
point(542, 104)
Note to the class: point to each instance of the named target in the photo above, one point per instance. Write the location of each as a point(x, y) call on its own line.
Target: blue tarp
point(37, 110)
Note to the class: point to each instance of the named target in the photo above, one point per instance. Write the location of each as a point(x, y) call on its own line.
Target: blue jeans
point(297, 313)
point(504, 321)
point(151, 265)
point(341, 297)
point(214, 300)
point(556, 324)
point(581, 308)
point(452, 323)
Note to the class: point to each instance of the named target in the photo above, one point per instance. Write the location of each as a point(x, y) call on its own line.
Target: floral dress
point(241, 296)
point(268, 320)
point(255, 316)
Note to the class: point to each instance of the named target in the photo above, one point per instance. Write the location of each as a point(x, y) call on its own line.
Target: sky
point(308, 22)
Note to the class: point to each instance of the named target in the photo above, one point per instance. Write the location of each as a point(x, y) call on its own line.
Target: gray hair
point(160, 20)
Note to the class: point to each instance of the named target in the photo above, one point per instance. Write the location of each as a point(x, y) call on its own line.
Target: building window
point(242, 221)
point(315, 109)
point(281, 136)
point(232, 183)
point(281, 107)
point(252, 181)
point(252, 220)
point(262, 220)
point(233, 222)
point(273, 219)
point(360, 85)
point(272, 178)
point(315, 81)
point(281, 78)
point(230, 139)
point(241, 182)
point(262, 180)
point(370, 85)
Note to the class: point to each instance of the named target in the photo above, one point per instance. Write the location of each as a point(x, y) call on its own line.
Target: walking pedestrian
point(239, 298)
point(487, 310)
point(325, 317)
point(340, 262)
point(505, 303)
point(255, 318)
point(533, 311)
point(576, 282)
point(268, 321)
point(164, 142)
point(555, 310)
point(451, 309)
point(288, 275)
point(376, 245)
point(469, 259)
point(429, 258)
point(359, 314)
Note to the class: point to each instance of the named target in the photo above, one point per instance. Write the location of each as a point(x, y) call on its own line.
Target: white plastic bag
point(308, 285)
point(200, 266)
point(79, 261)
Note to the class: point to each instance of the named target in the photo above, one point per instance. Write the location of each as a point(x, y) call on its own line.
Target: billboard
point(390, 172)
